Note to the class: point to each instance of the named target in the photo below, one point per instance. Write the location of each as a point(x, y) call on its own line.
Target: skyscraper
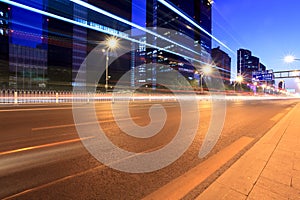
point(4, 44)
point(51, 49)
point(246, 64)
point(166, 15)
point(59, 44)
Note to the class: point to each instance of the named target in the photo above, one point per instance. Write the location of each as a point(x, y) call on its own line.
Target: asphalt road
point(42, 157)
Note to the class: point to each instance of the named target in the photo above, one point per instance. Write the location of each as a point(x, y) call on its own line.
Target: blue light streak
point(99, 10)
point(123, 36)
point(193, 22)
point(94, 28)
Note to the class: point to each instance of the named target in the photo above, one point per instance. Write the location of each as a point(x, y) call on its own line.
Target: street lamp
point(205, 70)
point(111, 43)
point(264, 86)
point(290, 59)
point(239, 79)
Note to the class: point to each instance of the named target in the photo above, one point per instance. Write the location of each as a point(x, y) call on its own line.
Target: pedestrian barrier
point(45, 96)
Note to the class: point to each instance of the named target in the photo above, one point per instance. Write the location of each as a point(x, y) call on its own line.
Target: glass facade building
point(44, 42)
point(223, 61)
point(4, 45)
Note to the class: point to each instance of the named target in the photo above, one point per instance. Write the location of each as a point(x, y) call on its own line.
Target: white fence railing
point(19, 97)
point(22, 96)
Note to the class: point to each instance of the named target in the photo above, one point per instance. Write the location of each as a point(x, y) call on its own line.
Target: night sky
point(268, 28)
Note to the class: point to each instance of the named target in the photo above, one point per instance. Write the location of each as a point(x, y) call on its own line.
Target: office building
point(162, 16)
point(246, 64)
point(262, 67)
point(38, 50)
point(223, 61)
point(4, 45)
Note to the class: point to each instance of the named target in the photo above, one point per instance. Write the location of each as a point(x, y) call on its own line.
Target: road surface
point(42, 157)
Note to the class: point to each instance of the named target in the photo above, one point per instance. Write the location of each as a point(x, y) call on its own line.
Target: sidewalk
point(269, 170)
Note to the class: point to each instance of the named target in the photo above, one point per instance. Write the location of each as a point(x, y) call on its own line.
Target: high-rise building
point(246, 64)
point(59, 44)
point(27, 59)
point(262, 67)
point(4, 45)
point(79, 40)
point(166, 15)
point(223, 61)
point(243, 57)
point(51, 49)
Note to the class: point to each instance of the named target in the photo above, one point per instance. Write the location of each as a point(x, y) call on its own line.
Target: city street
point(42, 156)
point(151, 100)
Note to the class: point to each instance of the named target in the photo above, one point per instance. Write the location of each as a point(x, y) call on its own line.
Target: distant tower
point(246, 64)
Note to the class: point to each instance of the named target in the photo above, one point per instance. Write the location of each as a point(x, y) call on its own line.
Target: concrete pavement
point(269, 170)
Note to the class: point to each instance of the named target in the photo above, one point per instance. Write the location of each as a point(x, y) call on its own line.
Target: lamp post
point(290, 59)
point(239, 79)
point(111, 43)
point(264, 86)
point(255, 87)
point(205, 70)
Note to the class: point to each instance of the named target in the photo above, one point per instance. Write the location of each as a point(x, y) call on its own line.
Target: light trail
point(95, 28)
point(107, 31)
point(101, 11)
point(43, 146)
point(193, 22)
point(80, 124)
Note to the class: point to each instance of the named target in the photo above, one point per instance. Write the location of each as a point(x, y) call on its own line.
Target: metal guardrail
point(22, 97)
point(31, 97)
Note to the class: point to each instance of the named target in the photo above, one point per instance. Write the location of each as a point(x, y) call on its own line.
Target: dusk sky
point(268, 28)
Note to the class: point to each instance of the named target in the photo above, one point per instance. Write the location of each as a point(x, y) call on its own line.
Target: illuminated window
point(1, 31)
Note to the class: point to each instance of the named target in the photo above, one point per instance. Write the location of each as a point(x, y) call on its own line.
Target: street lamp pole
point(205, 70)
point(290, 59)
point(234, 85)
point(201, 84)
point(106, 72)
point(239, 79)
point(111, 44)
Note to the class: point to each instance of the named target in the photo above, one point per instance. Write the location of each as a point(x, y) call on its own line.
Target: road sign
point(263, 75)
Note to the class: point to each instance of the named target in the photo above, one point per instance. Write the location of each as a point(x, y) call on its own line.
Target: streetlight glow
point(289, 59)
point(239, 79)
point(207, 69)
point(112, 43)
